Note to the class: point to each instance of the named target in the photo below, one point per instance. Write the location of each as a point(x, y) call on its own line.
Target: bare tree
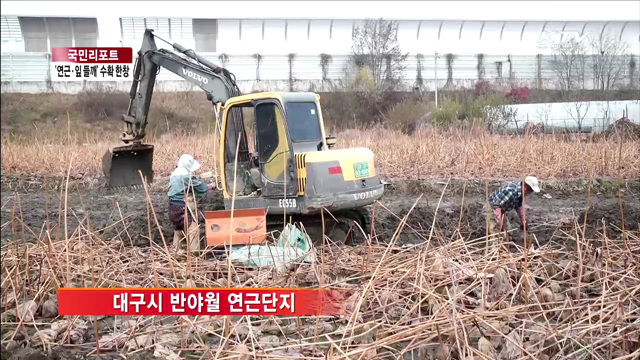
point(578, 110)
point(543, 112)
point(609, 61)
point(607, 56)
point(568, 64)
point(498, 117)
point(375, 46)
point(604, 108)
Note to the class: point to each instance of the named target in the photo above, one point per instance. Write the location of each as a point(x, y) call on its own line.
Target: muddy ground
point(556, 208)
point(560, 204)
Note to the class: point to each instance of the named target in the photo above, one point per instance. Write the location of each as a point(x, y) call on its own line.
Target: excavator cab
point(275, 155)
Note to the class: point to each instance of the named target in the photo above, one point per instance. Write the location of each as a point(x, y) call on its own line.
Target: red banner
point(92, 55)
point(246, 301)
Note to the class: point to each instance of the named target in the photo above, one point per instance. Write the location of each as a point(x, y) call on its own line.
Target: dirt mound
point(623, 127)
point(609, 215)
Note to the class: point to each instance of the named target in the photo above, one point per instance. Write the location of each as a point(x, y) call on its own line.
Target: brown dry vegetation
point(451, 295)
point(425, 154)
point(57, 129)
point(447, 298)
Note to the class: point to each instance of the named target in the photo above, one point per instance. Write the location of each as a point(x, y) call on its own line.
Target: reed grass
point(425, 154)
point(445, 298)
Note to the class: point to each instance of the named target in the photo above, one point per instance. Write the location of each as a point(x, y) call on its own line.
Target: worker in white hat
point(183, 185)
point(511, 197)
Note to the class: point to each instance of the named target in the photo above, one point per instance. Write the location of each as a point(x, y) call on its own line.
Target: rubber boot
point(194, 237)
point(178, 236)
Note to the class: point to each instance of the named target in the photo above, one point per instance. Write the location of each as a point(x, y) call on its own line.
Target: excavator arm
point(121, 165)
point(218, 83)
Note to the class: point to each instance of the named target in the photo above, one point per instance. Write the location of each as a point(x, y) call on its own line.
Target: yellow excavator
point(276, 163)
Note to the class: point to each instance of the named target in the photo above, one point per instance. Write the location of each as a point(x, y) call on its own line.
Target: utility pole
point(435, 62)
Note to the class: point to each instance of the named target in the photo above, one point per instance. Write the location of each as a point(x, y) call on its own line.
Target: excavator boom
point(122, 165)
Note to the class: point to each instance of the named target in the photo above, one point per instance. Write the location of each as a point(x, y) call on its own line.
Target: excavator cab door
point(277, 172)
point(275, 154)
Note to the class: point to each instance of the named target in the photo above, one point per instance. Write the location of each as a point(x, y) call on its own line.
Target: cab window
point(273, 147)
point(303, 121)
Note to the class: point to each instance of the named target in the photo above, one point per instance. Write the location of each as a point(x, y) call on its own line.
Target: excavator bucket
point(249, 227)
point(121, 165)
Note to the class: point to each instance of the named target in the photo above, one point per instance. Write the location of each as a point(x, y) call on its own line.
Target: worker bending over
point(183, 185)
point(510, 197)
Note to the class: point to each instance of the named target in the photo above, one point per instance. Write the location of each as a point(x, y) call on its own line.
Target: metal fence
point(587, 116)
point(25, 67)
point(30, 72)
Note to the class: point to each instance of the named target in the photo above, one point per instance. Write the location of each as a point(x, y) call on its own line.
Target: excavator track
point(340, 227)
point(349, 227)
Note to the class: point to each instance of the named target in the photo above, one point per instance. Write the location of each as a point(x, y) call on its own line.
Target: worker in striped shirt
point(510, 197)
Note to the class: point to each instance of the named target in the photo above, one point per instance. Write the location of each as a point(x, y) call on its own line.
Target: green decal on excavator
point(362, 169)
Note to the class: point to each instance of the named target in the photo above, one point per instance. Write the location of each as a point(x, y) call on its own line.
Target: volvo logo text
point(367, 194)
point(195, 76)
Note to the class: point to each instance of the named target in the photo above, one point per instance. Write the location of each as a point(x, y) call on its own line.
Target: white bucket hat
point(533, 183)
point(186, 165)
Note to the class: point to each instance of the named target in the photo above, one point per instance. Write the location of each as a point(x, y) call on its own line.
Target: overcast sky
point(439, 10)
